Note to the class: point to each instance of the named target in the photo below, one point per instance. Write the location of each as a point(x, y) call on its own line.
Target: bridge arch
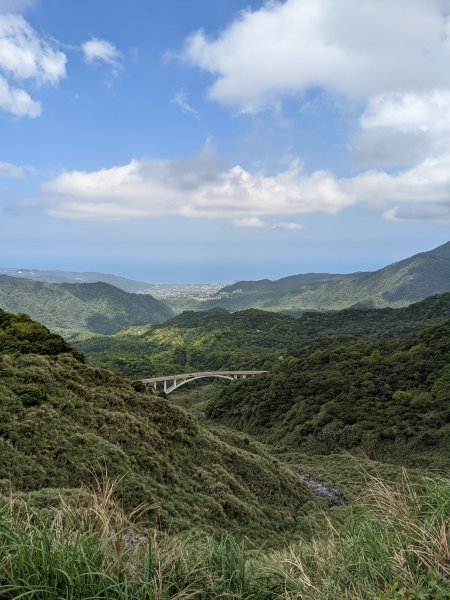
point(171, 383)
point(177, 385)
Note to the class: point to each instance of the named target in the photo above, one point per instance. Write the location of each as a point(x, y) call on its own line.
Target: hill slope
point(397, 284)
point(386, 398)
point(251, 338)
point(73, 308)
point(62, 423)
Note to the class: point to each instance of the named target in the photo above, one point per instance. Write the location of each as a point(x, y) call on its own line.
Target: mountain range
point(52, 276)
point(74, 309)
point(398, 284)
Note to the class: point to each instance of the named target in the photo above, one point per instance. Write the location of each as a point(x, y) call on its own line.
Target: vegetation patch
point(392, 544)
point(62, 423)
point(251, 339)
point(386, 399)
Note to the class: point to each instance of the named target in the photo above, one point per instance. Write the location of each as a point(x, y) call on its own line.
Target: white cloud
point(257, 223)
point(420, 192)
point(358, 48)
point(25, 57)
point(196, 187)
point(250, 223)
point(201, 187)
point(14, 171)
point(97, 50)
point(181, 100)
point(388, 58)
point(425, 112)
point(17, 101)
point(404, 128)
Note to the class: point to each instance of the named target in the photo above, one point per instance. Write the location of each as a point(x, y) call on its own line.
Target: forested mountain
point(386, 398)
point(216, 339)
point(71, 309)
point(62, 423)
point(397, 284)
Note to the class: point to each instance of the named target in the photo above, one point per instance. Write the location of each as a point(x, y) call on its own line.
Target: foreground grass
point(393, 543)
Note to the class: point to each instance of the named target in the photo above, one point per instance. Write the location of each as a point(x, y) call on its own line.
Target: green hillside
point(71, 309)
point(249, 339)
point(398, 284)
point(204, 495)
point(63, 423)
point(386, 398)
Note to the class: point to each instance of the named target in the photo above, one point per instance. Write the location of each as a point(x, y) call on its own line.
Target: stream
point(322, 489)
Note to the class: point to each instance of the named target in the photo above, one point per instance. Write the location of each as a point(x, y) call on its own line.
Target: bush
point(31, 395)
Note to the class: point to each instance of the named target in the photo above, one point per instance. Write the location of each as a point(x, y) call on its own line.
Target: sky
point(218, 140)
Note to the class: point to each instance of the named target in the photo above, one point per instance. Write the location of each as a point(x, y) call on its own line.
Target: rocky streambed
point(324, 490)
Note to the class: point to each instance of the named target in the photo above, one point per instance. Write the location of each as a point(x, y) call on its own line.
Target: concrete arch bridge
point(170, 383)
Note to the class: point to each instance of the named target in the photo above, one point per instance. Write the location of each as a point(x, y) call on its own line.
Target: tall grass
point(393, 543)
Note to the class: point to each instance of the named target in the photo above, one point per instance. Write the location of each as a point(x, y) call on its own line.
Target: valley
point(343, 432)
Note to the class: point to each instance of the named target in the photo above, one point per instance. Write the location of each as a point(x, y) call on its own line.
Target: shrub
point(31, 395)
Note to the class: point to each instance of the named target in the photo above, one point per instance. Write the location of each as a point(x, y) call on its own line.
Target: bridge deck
point(201, 374)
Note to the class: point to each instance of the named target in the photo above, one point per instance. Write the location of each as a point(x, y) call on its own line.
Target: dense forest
point(386, 398)
point(365, 380)
point(250, 339)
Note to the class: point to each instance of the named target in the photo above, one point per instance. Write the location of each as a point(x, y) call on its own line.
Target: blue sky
point(214, 140)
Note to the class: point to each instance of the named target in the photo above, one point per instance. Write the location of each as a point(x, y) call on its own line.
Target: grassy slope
point(62, 423)
point(392, 545)
point(73, 308)
point(251, 338)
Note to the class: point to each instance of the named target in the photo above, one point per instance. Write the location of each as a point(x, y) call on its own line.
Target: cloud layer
point(389, 59)
point(358, 48)
point(196, 187)
point(201, 187)
point(25, 57)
